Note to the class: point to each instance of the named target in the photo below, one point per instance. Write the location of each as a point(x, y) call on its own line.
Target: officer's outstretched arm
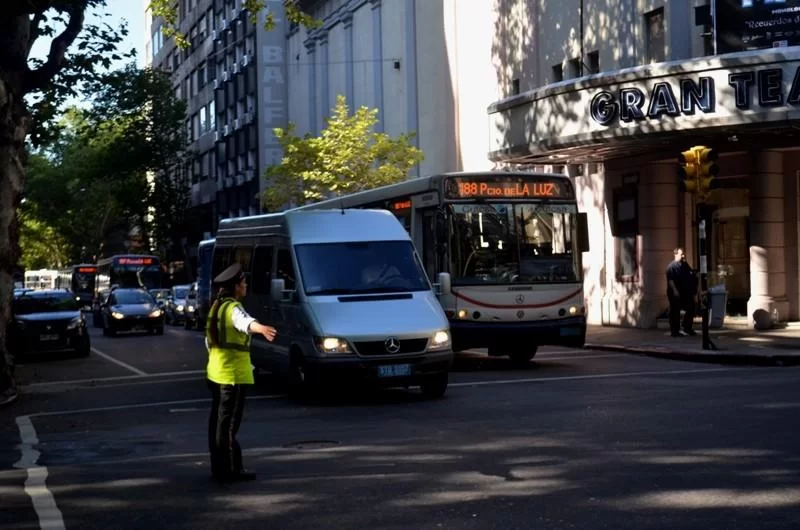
point(268, 332)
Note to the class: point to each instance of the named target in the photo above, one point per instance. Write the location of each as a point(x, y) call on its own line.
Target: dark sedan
point(131, 310)
point(47, 321)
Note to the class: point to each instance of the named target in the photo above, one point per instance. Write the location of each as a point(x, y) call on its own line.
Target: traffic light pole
point(704, 298)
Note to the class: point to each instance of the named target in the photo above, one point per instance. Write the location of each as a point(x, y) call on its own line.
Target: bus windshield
point(360, 268)
point(504, 243)
point(83, 282)
point(148, 277)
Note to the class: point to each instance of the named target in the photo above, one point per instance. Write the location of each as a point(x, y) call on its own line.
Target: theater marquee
point(723, 91)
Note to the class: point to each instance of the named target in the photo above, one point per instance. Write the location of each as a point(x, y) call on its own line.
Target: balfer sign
point(687, 96)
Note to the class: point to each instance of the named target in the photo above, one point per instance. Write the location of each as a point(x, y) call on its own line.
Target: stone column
point(347, 22)
point(377, 68)
point(325, 86)
point(659, 228)
point(311, 47)
point(767, 241)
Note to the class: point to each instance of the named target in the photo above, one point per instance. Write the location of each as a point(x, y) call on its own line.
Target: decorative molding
point(311, 45)
point(347, 20)
point(376, 4)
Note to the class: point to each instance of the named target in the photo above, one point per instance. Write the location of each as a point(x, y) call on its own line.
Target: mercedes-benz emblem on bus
point(392, 345)
point(520, 299)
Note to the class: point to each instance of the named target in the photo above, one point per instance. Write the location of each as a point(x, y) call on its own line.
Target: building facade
point(233, 78)
point(426, 65)
point(613, 91)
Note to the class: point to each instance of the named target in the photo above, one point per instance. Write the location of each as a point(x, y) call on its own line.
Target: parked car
point(44, 321)
point(176, 307)
point(131, 310)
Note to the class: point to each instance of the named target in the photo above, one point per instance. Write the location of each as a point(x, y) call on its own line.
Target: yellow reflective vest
point(229, 360)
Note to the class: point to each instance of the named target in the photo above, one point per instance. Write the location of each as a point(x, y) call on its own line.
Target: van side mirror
point(583, 232)
point(443, 284)
point(276, 289)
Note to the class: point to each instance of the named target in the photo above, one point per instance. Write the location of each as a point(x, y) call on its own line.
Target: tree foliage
point(348, 156)
point(43, 247)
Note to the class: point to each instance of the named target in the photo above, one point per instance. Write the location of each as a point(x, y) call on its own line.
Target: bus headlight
point(333, 345)
point(573, 310)
point(462, 313)
point(440, 341)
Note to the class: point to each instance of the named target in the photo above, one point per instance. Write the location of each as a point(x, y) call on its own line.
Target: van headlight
point(332, 345)
point(117, 315)
point(74, 323)
point(440, 341)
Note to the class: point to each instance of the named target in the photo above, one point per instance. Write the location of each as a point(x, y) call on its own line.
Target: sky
point(131, 11)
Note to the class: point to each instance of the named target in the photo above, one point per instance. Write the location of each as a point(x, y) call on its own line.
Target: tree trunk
point(14, 124)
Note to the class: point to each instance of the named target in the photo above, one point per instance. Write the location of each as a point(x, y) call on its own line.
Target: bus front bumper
point(569, 332)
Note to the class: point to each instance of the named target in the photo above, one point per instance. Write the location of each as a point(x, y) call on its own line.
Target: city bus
point(80, 279)
point(504, 249)
point(41, 279)
point(129, 270)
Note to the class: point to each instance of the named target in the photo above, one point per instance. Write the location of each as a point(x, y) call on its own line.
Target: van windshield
point(360, 268)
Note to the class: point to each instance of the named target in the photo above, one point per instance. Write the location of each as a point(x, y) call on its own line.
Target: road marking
point(595, 376)
point(187, 409)
point(144, 405)
point(113, 378)
point(118, 362)
point(44, 504)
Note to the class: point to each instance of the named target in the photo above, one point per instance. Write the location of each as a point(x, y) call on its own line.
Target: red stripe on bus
point(516, 306)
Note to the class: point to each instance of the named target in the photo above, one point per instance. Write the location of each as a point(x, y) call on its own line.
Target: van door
point(259, 306)
point(284, 313)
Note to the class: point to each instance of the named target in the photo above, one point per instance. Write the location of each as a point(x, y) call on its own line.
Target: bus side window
point(242, 255)
point(284, 269)
point(262, 270)
point(220, 263)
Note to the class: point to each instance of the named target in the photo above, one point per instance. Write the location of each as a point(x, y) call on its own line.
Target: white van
point(348, 294)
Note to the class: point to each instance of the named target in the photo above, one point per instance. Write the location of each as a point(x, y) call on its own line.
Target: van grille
point(378, 347)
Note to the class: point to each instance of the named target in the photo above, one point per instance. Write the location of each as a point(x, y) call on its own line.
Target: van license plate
point(394, 370)
point(48, 337)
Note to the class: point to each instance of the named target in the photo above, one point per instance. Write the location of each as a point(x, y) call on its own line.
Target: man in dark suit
point(681, 290)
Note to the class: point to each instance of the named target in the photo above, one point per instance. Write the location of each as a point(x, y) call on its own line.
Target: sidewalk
point(735, 342)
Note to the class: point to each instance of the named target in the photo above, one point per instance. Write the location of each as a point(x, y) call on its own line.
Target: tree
point(31, 93)
point(347, 156)
point(42, 246)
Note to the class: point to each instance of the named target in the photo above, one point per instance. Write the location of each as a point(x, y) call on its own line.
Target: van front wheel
point(434, 386)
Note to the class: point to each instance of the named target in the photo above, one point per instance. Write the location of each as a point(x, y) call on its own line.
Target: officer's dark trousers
point(675, 307)
point(227, 405)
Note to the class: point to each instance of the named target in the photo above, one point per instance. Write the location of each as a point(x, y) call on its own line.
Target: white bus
point(41, 279)
point(504, 249)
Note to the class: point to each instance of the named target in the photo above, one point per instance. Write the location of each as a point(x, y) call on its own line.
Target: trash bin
point(717, 301)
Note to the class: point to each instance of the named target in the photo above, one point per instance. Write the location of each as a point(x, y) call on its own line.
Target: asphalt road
point(577, 440)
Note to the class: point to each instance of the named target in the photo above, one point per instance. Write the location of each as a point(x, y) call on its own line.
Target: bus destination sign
point(87, 269)
point(507, 187)
point(135, 261)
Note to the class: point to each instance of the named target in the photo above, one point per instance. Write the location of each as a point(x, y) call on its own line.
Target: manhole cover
point(312, 444)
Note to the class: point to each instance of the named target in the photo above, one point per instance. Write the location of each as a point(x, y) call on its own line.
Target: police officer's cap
point(231, 275)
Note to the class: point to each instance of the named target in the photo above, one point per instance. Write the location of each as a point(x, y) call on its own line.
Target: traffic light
point(688, 172)
point(707, 170)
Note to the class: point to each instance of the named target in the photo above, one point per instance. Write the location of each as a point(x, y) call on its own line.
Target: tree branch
point(26, 7)
point(34, 30)
point(36, 79)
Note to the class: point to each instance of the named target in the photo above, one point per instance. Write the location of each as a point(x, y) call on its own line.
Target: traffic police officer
point(229, 371)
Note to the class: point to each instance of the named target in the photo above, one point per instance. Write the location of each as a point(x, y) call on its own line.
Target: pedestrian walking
point(229, 372)
point(681, 290)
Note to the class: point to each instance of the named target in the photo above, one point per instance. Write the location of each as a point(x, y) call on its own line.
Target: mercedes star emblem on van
point(520, 299)
point(392, 345)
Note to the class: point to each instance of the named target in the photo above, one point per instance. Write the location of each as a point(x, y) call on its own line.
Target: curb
point(702, 356)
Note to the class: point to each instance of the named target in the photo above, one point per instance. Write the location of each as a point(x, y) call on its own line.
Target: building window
point(558, 73)
point(594, 62)
point(575, 68)
point(656, 44)
point(514, 87)
point(626, 232)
